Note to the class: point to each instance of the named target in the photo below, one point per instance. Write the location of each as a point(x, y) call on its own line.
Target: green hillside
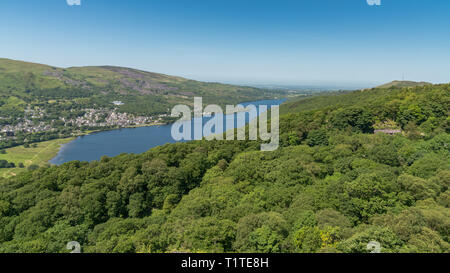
point(400, 84)
point(40, 103)
point(332, 186)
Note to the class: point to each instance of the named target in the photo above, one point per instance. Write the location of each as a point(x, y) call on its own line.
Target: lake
point(129, 140)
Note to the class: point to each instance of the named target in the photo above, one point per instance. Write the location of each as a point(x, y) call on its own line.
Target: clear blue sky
point(251, 41)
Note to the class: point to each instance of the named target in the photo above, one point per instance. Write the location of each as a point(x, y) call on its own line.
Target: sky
point(298, 42)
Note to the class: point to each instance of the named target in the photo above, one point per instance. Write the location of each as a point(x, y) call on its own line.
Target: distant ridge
point(403, 84)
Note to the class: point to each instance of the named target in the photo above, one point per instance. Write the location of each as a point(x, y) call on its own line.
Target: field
point(38, 155)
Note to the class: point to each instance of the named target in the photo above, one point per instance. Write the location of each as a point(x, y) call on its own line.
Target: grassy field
point(39, 155)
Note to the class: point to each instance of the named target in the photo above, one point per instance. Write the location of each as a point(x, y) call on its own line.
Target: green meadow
point(38, 155)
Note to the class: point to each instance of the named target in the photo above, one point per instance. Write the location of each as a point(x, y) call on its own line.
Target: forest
point(337, 182)
point(37, 94)
point(66, 91)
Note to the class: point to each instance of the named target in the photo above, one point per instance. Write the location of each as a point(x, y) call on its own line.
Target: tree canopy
point(332, 186)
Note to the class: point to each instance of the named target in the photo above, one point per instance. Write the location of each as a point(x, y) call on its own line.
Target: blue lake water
point(131, 140)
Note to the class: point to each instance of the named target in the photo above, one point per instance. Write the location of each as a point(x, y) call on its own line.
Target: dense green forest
point(334, 185)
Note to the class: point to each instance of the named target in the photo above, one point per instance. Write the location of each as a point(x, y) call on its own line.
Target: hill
point(403, 84)
point(332, 186)
point(362, 97)
point(103, 84)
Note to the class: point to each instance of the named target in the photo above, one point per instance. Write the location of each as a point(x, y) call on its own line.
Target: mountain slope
point(332, 186)
point(403, 84)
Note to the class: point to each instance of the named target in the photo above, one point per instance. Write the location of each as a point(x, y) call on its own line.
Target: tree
point(170, 202)
point(5, 164)
point(317, 137)
point(265, 240)
point(136, 206)
point(310, 239)
point(358, 243)
point(261, 231)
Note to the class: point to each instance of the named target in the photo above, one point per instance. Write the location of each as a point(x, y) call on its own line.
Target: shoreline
point(118, 128)
point(65, 156)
